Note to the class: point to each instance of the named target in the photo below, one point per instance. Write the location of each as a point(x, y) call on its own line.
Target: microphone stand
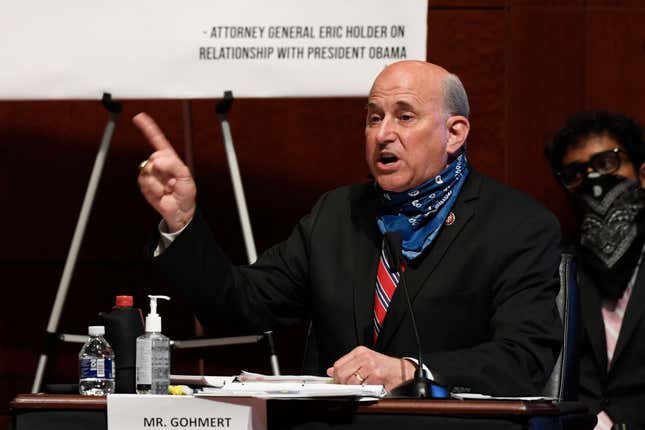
point(419, 386)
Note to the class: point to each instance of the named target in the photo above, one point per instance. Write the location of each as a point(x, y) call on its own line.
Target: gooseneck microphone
point(419, 386)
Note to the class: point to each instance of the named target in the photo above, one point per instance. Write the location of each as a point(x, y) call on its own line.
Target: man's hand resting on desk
point(364, 366)
point(165, 181)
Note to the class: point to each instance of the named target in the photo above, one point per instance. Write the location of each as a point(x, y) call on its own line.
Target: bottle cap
point(96, 330)
point(124, 302)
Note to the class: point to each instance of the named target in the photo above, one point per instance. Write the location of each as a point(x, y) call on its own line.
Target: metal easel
point(114, 109)
point(222, 108)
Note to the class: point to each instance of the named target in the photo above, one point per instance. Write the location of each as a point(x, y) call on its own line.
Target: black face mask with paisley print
point(612, 230)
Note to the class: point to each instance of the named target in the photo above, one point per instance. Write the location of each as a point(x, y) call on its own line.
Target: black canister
point(123, 324)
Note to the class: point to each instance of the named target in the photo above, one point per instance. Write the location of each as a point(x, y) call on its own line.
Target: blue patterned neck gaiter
point(419, 213)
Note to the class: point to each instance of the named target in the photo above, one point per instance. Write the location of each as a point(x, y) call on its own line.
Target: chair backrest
point(563, 382)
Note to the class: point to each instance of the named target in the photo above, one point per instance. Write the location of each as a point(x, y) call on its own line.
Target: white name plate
point(139, 412)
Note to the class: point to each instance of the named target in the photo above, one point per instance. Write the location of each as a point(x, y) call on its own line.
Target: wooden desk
point(43, 411)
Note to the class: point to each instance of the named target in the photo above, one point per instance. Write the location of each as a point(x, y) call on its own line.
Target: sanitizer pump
point(153, 354)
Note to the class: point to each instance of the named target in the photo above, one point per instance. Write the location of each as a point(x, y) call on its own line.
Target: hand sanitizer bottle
point(153, 354)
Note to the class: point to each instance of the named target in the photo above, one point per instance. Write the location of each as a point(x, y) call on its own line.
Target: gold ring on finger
point(142, 165)
point(359, 377)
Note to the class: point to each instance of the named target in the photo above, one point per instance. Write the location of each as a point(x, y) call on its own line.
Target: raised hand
point(165, 181)
point(364, 366)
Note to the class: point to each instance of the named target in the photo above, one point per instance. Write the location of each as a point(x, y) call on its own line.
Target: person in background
point(480, 258)
point(598, 157)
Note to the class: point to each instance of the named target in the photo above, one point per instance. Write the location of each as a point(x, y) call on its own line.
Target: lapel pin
point(450, 219)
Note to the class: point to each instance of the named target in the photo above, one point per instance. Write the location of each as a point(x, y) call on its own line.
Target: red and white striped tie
point(386, 283)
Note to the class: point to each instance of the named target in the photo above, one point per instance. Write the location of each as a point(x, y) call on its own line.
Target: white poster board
point(78, 49)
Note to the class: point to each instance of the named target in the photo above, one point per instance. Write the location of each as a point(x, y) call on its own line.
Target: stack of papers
point(249, 384)
point(292, 390)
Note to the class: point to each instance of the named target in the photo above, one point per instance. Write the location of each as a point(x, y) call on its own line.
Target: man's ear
point(458, 127)
point(641, 175)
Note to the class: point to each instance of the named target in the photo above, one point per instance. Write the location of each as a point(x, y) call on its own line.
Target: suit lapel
point(592, 317)
point(366, 248)
point(633, 314)
point(416, 277)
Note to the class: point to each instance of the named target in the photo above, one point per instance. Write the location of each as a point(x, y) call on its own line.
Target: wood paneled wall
point(526, 64)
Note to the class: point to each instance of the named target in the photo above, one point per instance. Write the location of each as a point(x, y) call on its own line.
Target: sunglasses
point(604, 163)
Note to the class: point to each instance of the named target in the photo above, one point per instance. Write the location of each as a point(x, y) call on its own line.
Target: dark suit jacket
point(620, 391)
point(483, 294)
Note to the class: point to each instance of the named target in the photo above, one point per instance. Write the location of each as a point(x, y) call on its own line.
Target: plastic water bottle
point(96, 364)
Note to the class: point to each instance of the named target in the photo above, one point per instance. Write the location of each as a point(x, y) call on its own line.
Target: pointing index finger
point(151, 131)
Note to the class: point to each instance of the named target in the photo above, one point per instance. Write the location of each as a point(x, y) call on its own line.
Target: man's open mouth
point(388, 159)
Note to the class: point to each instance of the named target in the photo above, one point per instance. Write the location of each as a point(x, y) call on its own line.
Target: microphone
point(419, 386)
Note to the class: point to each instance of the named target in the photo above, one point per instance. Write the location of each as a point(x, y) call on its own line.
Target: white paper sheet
point(305, 379)
point(201, 380)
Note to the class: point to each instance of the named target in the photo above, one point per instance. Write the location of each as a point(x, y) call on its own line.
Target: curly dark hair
point(584, 124)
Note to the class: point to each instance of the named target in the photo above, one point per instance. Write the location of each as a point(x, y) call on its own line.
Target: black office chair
point(563, 382)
